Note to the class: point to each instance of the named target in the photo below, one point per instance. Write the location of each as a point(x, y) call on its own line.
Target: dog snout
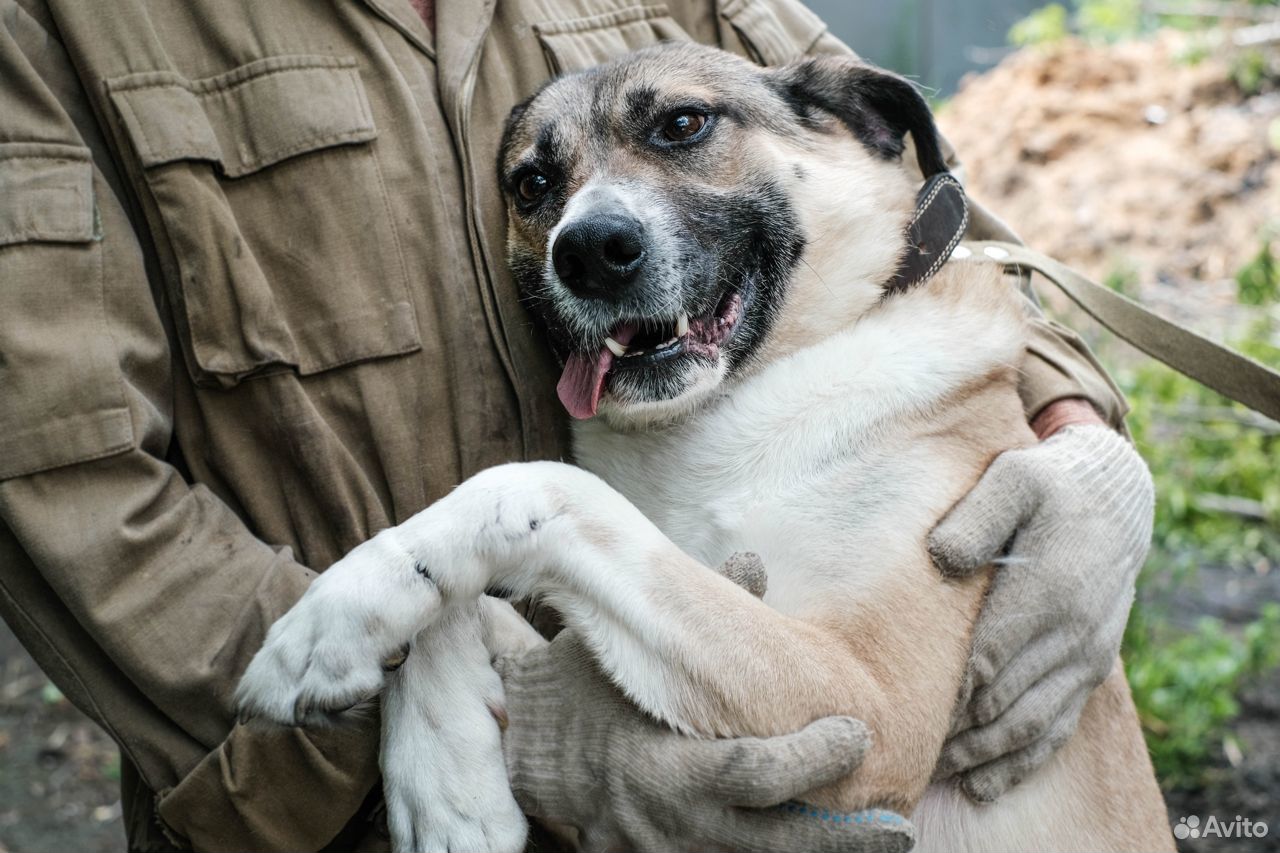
point(600, 256)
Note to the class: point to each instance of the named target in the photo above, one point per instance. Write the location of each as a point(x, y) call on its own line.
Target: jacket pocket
point(270, 203)
point(577, 43)
point(61, 393)
point(772, 32)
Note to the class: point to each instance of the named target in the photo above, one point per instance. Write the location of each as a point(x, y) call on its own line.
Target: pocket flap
point(572, 45)
point(246, 119)
point(775, 33)
point(47, 192)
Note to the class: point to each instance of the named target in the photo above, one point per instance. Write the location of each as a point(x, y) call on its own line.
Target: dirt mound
point(1124, 158)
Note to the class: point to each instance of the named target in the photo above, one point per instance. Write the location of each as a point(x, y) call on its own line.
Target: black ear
point(878, 107)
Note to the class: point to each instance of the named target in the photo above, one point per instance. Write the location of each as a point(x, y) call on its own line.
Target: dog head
point(680, 216)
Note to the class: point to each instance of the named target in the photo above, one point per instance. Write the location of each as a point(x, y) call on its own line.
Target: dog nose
point(597, 256)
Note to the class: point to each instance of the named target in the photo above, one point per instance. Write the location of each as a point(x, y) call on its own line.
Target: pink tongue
point(582, 382)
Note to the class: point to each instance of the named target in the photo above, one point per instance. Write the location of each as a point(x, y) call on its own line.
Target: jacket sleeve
point(1058, 364)
point(143, 595)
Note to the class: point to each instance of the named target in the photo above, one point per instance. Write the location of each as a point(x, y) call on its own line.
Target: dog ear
point(878, 107)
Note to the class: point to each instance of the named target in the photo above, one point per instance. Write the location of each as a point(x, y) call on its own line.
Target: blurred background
point(937, 42)
point(1140, 142)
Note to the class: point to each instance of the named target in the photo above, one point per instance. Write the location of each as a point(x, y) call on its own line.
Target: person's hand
point(1075, 513)
point(580, 753)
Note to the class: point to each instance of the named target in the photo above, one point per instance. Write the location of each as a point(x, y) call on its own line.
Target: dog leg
point(506, 632)
point(443, 773)
point(707, 657)
point(686, 644)
point(326, 653)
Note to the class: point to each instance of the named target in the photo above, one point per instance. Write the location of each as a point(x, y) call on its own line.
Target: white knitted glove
point(1076, 513)
point(579, 753)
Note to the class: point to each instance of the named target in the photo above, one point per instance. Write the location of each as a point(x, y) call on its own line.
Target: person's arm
point(161, 579)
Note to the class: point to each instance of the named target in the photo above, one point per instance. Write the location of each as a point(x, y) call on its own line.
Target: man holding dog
point(253, 310)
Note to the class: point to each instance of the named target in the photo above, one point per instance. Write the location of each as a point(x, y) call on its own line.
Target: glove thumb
point(762, 772)
point(975, 531)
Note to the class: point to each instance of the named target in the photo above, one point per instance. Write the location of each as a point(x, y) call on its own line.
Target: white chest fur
point(807, 461)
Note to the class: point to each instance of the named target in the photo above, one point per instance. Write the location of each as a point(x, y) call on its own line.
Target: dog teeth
point(682, 325)
point(615, 347)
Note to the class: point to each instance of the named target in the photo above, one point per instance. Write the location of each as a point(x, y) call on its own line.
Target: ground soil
point(59, 773)
point(1127, 161)
point(1247, 784)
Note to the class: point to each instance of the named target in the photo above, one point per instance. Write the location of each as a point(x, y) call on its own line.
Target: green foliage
point(1203, 449)
point(1194, 52)
point(1043, 26)
point(1114, 20)
point(1217, 502)
point(50, 694)
point(1122, 277)
point(1250, 71)
point(1258, 282)
point(1109, 20)
point(1185, 686)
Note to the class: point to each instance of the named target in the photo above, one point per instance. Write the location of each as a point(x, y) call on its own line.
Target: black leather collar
point(938, 226)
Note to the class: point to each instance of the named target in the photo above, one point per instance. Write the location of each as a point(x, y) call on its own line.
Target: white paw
point(459, 815)
point(327, 653)
point(444, 775)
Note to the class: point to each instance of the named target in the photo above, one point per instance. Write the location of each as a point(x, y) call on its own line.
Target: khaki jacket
point(253, 309)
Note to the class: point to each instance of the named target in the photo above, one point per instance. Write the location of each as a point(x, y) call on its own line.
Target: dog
point(711, 248)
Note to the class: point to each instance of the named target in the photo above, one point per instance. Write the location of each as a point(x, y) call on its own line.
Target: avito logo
point(1241, 827)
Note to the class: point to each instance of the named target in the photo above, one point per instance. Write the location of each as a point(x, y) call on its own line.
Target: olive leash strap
point(1212, 364)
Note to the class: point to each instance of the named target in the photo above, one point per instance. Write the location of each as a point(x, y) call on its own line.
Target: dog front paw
point(333, 648)
point(315, 664)
point(456, 814)
point(444, 775)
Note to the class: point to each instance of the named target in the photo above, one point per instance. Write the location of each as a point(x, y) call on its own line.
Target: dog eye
point(532, 187)
point(682, 127)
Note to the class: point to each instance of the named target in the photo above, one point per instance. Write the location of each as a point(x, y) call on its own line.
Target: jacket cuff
point(285, 789)
point(1058, 365)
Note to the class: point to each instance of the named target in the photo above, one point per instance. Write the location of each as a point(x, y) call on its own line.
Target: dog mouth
point(650, 344)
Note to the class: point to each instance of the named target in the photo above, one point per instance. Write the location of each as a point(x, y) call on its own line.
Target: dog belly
point(1097, 793)
point(949, 822)
point(1047, 813)
point(1050, 811)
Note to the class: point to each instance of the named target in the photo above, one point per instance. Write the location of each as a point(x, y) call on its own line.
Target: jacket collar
point(461, 29)
point(402, 16)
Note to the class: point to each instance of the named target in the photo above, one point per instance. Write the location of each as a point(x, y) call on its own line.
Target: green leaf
point(50, 694)
point(1043, 26)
